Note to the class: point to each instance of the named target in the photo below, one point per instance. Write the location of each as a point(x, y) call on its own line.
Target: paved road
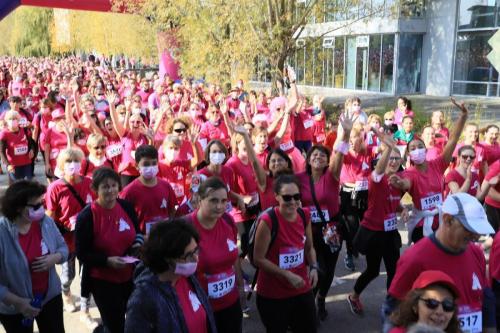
point(340, 318)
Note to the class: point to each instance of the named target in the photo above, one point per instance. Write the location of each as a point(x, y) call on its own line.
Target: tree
point(30, 34)
point(221, 39)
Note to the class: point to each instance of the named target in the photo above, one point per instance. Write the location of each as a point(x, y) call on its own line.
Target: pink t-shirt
point(210, 132)
point(455, 176)
point(268, 198)
point(302, 126)
point(245, 184)
point(17, 147)
point(153, 207)
point(194, 313)
point(356, 169)
point(492, 172)
point(57, 141)
point(327, 194)
point(129, 144)
point(177, 174)
point(218, 254)
point(433, 153)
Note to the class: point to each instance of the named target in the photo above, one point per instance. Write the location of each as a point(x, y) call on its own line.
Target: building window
point(478, 14)
point(338, 62)
point(409, 63)
point(387, 66)
point(374, 62)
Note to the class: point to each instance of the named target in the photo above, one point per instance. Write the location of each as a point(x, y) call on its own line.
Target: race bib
point(315, 216)
point(291, 257)
point(320, 137)
point(20, 150)
point(361, 185)
point(23, 122)
point(220, 285)
point(308, 123)
point(431, 201)
point(390, 224)
point(114, 150)
point(471, 322)
point(178, 190)
point(286, 146)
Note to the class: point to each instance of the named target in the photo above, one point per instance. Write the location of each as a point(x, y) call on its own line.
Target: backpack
point(274, 233)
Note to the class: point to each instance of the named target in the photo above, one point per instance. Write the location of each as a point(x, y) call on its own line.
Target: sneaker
point(246, 312)
point(349, 263)
point(90, 322)
point(355, 305)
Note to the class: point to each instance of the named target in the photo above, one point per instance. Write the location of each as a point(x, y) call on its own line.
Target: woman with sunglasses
point(288, 267)
point(424, 180)
point(182, 127)
point(214, 128)
point(132, 135)
point(31, 246)
point(463, 179)
point(378, 237)
point(107, 234)
point(218, 269)
point(431, 301)
point(167, 292)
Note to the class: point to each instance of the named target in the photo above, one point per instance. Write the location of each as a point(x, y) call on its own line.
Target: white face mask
point(185, 269)
point(217, 158)
point(36, 215)
point(356, 108)
point(149, 172)
point(388, 122)
point(171, 154)
point(72, 168)
point(417, 156)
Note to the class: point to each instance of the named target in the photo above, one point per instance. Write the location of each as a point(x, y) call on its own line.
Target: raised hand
point(111, 97)
point(194, 132)
point(461, 106)
point(347, 121)
point(241, 130)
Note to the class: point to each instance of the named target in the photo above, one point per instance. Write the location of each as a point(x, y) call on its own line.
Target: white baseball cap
point(467, 209)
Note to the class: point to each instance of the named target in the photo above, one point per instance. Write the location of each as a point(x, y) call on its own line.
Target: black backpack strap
point(302, 214)
point(75, 193)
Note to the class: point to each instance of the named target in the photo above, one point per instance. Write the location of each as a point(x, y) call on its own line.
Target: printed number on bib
point(320, 138)
point(286, 146)
point(315, 216)
point(361, 185)
point(220, 285)
point(471, 322)
point(291, 258)
point(308, 123)
point(390, 224)
point(114, 150)
point(431, 201)
point(20, 150)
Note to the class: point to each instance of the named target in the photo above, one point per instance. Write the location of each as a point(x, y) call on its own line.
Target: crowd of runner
point(167, 192)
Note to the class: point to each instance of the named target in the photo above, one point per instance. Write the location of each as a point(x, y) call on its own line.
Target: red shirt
point(302, 126)
point(492, 172)
point(114, 233)
point(433, 153)
point(495, 258)
point(218, 254)
point(33, 247)
point(153, 207)
point(114, 151)
point(455, 176)
point(226, 175)
point(287, 252)
point(210, 132)
point(57, 141)
point(427, 187)
point(383, 203)
point(441, 137)
point(245, 184)
point(129, 144)
point(65, 206)
point(194, 314)
point(176, 174)
point(327, 194)
point(468, 270)
point(492, 152)
point(268, 198)
point(88, 167)
point(356, 169)
point(17, 147)
point(319, 135)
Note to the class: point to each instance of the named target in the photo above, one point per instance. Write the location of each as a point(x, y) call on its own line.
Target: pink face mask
point(185, 269)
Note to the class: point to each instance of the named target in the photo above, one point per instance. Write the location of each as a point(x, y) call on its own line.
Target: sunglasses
point(389, 119)
point(180, 130)
point(35, 206)
point(394, 159)
point(467, 157)
point(99, 147)
point(289, 197)
point(448, 305)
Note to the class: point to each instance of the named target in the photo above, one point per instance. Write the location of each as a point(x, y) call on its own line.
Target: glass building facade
point(478, 21)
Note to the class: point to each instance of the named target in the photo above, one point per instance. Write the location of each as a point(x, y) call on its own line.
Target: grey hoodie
point(15, 274)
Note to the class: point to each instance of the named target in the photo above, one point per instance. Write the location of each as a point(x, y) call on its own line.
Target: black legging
point(229, 320)
point(382, 245)
point(493, 215)
point(352, 211)
point(326, 261)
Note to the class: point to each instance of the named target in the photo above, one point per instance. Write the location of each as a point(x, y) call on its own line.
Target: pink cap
point(430, 277)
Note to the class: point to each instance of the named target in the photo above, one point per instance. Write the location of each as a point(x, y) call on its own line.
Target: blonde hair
point(373, 117)
point(389, 114)
point(11, 114)
point(69, 153)
point(235, 141)
point(95, 139)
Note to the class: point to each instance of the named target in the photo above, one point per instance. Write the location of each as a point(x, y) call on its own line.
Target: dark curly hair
point(167, 240)
point(17, 196)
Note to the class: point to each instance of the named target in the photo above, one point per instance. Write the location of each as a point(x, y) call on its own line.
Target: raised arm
point(289, 108)
point(194, 132)
point(456, 132)
point(119, 128)
point(389, 145)
point(260, 173)
point(342, 145)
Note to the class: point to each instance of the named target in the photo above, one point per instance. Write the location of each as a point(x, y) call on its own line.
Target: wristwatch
point(314, 266)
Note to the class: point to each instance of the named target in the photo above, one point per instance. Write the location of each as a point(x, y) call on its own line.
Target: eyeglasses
point(99, 147)
point(180, 130)
point(191, 255)
point(289, 197)
point(448, 305)
point(394, 159)
point(466, 157)
point(35, 206)
point(389, 119)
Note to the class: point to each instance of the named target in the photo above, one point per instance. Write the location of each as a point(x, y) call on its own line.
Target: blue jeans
point(22, 172)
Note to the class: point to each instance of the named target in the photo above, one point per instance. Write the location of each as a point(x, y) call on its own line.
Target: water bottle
point(36, 302)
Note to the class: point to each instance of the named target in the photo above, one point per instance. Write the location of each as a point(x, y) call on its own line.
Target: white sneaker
point(90, 322)
point(69, 304)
